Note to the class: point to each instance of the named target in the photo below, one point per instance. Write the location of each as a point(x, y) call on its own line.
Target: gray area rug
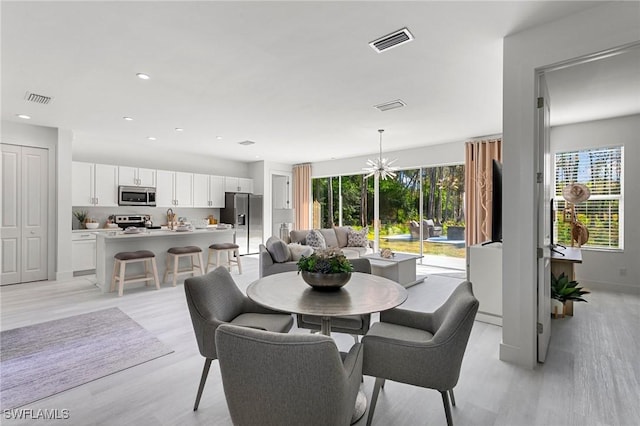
point(41, 360)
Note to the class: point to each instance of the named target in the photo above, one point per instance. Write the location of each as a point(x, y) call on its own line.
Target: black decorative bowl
point(320, 281)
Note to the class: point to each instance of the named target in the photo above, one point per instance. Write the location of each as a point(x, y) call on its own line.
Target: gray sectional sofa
point(334, 237)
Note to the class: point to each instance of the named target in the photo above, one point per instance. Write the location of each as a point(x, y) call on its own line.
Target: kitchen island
point(156, 241)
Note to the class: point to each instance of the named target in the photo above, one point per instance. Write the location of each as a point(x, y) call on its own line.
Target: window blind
point(601, 170)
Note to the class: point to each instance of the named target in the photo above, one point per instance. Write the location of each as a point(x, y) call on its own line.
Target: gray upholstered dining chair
point(421, 349)
point(350, 324)
point(214, 299)
point(287, 379)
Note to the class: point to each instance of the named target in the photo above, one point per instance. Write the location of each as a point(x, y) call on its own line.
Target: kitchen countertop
point(147, 233)
point(164, 228)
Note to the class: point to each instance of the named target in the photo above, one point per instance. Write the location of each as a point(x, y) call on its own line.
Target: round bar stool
point(174, 254)
point(122, 259)
point(232, 252)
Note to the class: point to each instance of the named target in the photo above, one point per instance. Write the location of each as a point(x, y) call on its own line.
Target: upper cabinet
point(94, 184)
point(208, 191)
point(134, 176)
point(174, 189)
point(97, 185)
point(236, 184)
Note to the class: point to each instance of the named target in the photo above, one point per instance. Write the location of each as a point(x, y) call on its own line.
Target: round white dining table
point(363, 294)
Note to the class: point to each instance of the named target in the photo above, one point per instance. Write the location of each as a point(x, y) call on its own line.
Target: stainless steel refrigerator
point(244, 212)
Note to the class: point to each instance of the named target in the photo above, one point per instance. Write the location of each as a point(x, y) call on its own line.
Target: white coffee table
point(400, 268)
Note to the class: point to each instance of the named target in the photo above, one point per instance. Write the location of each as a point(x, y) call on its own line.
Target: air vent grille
point(390, 105)
point(392, 40)
point(246, 143)
point(38, 99)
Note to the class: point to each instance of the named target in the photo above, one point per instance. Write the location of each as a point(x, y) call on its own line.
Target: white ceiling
point(298, 78)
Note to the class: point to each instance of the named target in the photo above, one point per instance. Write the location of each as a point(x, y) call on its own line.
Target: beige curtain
point(479, 156)
point(302, 195)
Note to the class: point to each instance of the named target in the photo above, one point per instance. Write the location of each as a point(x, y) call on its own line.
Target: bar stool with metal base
point(120, 263)
point(232, 252)
point(175, 253)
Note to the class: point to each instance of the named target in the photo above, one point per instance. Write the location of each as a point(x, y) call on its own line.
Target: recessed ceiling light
point(219, 138)
point(151, 138)
point(246, 143)
point(24, 116)
point(179, 129)
point(143, 76)
point(127, 118)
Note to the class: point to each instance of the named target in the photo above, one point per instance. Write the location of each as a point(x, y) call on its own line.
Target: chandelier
point(380, 167)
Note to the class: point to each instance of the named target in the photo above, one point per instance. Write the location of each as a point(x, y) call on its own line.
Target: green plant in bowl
point(327, 261)
point(325, 269)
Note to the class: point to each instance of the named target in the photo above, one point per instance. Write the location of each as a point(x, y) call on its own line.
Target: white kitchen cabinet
point(174, 189)
point(208, 191)
point(83, 251)
point(82, 187)
point(236, 184)
point(134, 176)
point(94, 184)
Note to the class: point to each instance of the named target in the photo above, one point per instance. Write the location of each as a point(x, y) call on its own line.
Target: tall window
point(601, 170)
point(349, 200)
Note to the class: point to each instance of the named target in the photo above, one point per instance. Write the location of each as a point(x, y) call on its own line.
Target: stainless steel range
point(137, 220)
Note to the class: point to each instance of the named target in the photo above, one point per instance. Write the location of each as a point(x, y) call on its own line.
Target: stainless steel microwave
point(136, 196)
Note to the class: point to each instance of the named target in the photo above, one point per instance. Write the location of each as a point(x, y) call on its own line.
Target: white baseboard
point(513, 355)
point(64, 275)
point(615, 287)
point(489, 318)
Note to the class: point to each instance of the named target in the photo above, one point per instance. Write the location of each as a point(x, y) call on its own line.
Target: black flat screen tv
point(496, 202)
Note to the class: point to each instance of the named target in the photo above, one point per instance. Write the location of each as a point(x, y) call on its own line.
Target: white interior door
point(11, 218)
point(34, 214)
point(24, 214)
point(543, 195)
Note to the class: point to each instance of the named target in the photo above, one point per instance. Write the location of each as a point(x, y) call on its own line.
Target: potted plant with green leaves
point(325, 269)
point(565, 292)
point(81, 215)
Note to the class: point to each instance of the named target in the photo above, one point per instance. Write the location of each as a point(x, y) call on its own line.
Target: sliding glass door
point(421, 209)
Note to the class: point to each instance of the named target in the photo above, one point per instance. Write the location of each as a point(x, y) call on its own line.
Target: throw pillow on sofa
point(342, 235)
point(315, 239)
point(278, 249)
point(298, 250)
point(358, 238)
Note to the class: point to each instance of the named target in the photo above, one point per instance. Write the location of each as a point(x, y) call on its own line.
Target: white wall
point(432, 155)
point(602, 268)
point(140, 156)
point(596, 29)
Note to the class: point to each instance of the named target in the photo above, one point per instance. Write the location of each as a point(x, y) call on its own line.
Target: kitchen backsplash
point(158, 214)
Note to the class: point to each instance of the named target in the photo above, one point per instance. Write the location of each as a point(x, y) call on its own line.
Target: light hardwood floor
point(591, 376)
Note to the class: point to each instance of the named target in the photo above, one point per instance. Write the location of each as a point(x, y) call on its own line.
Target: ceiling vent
point(392, 40)
point(390, 105)
point(246, 143)
point(38, 99)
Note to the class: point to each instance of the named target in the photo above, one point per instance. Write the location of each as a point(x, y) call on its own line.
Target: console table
point(564, 260)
